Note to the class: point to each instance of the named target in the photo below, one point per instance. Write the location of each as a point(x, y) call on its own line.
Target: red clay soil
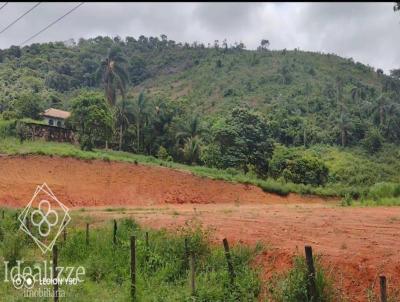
point(78, 183)
point(356, 244)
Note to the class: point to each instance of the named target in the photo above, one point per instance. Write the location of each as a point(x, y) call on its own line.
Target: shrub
point(292, 287)
point(210, 155)
point(384, 190)
point(12, 247)
point(7, 128)
point(9, 115)
point(346, 201)
point(298, 167)
point(274, 187)
point(163, 154)
point(373, 141)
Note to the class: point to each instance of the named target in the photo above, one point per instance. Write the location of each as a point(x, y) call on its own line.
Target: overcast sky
point(368, 32)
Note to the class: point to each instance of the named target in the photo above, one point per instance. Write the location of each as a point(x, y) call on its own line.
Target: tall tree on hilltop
point(264, 44)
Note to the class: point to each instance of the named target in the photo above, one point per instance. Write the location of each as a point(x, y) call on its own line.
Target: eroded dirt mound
point(95, 183)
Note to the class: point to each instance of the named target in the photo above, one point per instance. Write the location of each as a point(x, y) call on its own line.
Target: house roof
point(56, 113)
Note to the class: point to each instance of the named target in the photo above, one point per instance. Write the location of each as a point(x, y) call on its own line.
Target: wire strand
point(19, 18)
point(1, 7)
point(51, 24)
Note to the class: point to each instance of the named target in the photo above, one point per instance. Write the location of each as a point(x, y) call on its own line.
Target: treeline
point(309, 98)
point(240, 141)
point(219, 105)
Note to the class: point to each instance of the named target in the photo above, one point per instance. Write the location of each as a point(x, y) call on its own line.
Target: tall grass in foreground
point(292, 286)
point(162, 270)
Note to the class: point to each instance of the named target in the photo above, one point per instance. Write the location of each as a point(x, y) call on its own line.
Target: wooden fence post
point(115, 232)
point(133, 268)
point(147, 246)
point(55, 273)
point(229, 260)
point(186, 253)
point(192, 274)
point(311, 286)
point(382, 281)
point(87, 234)
point(65, 232)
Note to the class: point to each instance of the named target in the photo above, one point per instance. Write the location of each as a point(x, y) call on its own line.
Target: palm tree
point(139, 111)
point(357, 93)
point(191, 128)
point(191, 149)
point(114, 75)
point(344, 125)
point(392, 122)
point(114, 78)
point(380, 108)
point(123, 113)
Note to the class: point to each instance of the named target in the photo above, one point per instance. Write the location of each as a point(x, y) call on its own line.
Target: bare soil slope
point(79, 183)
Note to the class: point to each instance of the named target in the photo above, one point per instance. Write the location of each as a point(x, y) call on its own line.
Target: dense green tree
point(92, 118)
point(14, 51)
point(244, 140)
point(298, 167)
point(28, 105)
point(373, 141)
point(137, 70)
point(264, 44)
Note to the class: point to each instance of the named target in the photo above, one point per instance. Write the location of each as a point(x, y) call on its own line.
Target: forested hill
point(306, 97)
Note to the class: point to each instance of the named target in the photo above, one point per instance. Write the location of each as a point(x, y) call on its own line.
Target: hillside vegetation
point(286, 116)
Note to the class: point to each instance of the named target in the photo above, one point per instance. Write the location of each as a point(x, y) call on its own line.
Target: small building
point(56, 117)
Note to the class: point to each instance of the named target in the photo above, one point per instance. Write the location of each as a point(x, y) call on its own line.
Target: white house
point(55, 117)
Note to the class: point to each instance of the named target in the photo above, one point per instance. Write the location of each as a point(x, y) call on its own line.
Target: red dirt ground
point(356, 244)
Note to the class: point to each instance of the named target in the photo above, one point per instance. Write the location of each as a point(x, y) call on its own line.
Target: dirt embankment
point(356, 244)
point(79, 183)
